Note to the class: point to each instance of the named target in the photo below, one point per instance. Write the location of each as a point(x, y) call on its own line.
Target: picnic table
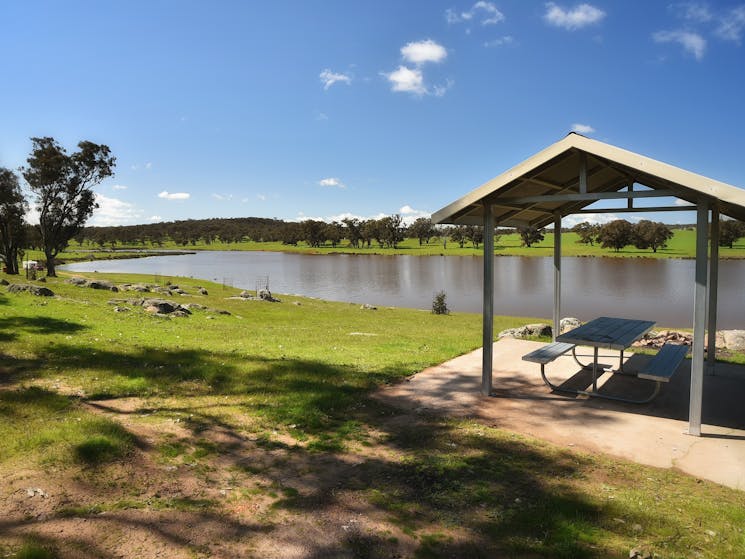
point(614, 334)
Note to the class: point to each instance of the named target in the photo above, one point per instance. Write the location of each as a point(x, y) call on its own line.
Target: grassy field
point(253, 434)
point(682, 245)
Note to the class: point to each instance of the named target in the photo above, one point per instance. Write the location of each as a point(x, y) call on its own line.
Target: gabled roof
point(556, 171)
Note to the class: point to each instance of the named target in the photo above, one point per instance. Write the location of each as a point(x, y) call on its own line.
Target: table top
point(607, 332)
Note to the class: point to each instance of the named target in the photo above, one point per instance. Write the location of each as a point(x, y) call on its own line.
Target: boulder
point(266, 295)
point(569, 323)
point(80, 282)
point(33, 289)
point(368, 307)
point(121, 309)
point(245, 295)
point(3, 281)
point(527, 331)
point(194, 306)
point(734, 340)
point(102, 284)
point(202, 291)
point(159, 305)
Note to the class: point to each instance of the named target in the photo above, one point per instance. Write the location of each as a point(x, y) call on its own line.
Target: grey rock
point(202, 291)
point(734, 339)
point(101, 284)
point(3, 281)
point(42, 279)
point(569, 323)
point(81, 282)
point(245, 295)
point(33, 289)
point(160, 305)
point(368, 307)
point(266, 295)
point(121, 309)
point(194, 306)
point(527, 331)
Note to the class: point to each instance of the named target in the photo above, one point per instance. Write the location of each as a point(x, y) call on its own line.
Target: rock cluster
point(262, 295)
point(654, 339)
point(33, 289)
point(93, 284)
point(539, 329)
point(162, 307)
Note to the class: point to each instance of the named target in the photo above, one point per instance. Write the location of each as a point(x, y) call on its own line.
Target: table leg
point(595, 369)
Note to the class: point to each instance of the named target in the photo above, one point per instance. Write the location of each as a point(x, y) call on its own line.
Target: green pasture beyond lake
point(682, 245)
point(293, 379)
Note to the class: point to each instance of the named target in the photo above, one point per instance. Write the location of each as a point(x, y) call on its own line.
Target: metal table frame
point(608, 333)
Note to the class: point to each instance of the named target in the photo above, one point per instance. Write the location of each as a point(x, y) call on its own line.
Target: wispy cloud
point(486, 13)
point(599, 219)
point(499, 41)
point(261, 197)
point(421, 52)
point(112, 211)
point(692, 11)
point(222, 197)
point(693, 43)
point(155, 218)
point(582, 128)
point(329, 78)
point(174, 195)
point(578, 17)
point(732, 25)
point(331, 182)
point(118, 187)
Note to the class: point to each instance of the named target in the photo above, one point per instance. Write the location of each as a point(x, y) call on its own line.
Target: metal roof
point(532, 192)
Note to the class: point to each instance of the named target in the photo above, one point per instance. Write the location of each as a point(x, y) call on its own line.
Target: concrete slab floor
point(654, 434)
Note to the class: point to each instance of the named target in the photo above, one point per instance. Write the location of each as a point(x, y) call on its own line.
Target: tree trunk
point(51, 271)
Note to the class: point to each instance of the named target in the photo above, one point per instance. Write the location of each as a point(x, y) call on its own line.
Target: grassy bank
point(252, 434)
point(682, 245)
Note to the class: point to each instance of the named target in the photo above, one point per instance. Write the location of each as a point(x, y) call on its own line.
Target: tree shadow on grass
point(435, 486)
point(10, 326)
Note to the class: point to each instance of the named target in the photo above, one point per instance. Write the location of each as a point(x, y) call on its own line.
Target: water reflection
point(659, 290)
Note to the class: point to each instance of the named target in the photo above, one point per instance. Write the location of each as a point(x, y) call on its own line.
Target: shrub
point(439, 304)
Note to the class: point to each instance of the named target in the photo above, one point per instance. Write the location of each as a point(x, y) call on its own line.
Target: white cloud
point(681, 202)
point(329, 78)
point(261, 197)
point(409, 80)
point(693, 11)
point(332, 182)
point(148, 165)
point(409, 215)
point(580, 16)
point(599, 219)
point(691, 42)
point(499, 41)
point(155, 218)
point(112, 211)
point(174, 195)
point(222, 197)
point(32, 215)
point(582, 128)
point(321, 116)
point(118, 187)
point(423, 51)
point(488, 12)
point(732, 25)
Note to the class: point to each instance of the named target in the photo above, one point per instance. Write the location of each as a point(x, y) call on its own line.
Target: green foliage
point(530, 235)
point(439, 303)
point(62, 185)
point(651, 234)
point(33, 549)
point(13, 208)
point(730, 231)
point(587, 233)
point(616, 234)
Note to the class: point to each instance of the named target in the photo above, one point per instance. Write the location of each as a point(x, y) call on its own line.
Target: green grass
point(285, 388)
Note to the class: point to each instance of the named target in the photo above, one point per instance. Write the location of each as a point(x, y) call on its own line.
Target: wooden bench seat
point(663, 365)
point(548, 353)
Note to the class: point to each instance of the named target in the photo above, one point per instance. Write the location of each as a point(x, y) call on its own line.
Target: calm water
point(659, 290)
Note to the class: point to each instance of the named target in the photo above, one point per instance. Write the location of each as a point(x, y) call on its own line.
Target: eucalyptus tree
point(63, 186)
point(13, 208)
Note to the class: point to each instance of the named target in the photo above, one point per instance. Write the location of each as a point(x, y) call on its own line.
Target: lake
point(649, 289)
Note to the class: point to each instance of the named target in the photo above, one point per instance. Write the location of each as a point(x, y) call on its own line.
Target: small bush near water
point(439, 303)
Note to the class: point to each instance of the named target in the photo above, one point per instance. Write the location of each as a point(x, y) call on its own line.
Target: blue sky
point(330, 108)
